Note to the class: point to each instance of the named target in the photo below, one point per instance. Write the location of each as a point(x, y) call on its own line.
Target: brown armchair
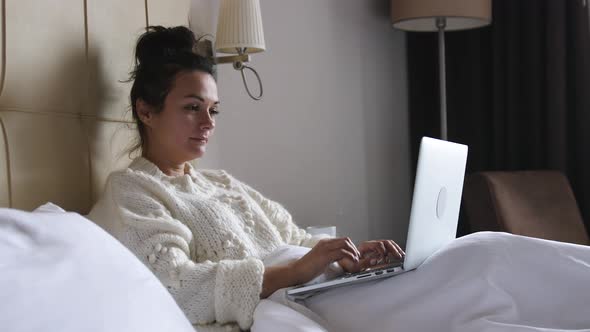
point(532, 203)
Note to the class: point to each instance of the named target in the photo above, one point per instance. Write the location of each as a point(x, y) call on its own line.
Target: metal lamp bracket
point(205, 48)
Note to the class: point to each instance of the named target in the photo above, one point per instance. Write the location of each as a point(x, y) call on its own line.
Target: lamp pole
point(441, 23)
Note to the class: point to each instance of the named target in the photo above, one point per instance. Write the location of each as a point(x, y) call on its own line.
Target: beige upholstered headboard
point(64, 113)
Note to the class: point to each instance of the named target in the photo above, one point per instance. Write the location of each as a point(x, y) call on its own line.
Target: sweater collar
point(144, 165)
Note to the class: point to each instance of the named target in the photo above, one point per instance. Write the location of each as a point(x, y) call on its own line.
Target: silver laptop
point(433, 218)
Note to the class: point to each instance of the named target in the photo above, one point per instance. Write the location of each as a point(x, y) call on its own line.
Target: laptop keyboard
point(370, 271)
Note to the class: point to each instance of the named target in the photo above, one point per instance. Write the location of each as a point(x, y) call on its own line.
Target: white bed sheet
point(483, 282)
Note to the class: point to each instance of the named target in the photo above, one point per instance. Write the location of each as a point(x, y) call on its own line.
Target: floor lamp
point(441, 15)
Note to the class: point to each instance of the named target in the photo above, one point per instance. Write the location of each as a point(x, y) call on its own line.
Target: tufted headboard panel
point(64, 112)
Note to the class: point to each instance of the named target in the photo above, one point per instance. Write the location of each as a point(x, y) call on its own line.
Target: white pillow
point(49, 208)
point(61, 272)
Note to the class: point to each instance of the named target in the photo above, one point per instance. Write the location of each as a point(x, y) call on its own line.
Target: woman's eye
point(196, 108)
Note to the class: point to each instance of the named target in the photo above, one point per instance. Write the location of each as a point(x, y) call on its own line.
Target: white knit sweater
point(203, 234)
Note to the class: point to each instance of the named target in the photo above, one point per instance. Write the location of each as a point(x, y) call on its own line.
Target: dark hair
point(161, 54)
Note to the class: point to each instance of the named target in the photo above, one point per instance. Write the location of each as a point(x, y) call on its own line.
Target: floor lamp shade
point(421, 15)
point(441, 16)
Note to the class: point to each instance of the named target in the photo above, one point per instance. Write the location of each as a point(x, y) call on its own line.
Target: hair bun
point(160, 45)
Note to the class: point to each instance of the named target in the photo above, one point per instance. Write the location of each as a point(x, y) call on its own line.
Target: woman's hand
point(323, 253)
point(373, 253)
point(378, 252)
point(309, 266)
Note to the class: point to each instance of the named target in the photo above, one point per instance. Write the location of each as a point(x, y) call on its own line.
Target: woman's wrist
point(294, 273)
point(277, 277)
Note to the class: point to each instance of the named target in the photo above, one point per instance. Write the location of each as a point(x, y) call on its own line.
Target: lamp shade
point(421, 15)
point(239, 25)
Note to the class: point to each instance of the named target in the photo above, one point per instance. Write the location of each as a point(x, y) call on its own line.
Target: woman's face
point(180, 132)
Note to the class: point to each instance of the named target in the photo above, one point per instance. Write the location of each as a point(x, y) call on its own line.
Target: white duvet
point(60, 272)
point(483, 282)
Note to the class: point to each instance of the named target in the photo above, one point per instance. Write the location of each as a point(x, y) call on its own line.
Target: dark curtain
point(518, 91)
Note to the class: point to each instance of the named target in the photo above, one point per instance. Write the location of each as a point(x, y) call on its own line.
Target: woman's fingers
point(393, 249)
point(343, 243)
point(351, 258)
point(399, 249)
point(341, 253)
point(349, 265)
point(351, 245)
point(380, 248)
point(373, 249)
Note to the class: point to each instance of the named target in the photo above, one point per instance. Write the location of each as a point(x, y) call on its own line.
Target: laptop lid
point(434, 215)
point(436, 200)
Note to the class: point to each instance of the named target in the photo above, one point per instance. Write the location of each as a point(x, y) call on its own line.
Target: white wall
point(329, 140)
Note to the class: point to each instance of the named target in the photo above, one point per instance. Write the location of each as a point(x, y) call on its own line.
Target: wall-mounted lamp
point(239, 32)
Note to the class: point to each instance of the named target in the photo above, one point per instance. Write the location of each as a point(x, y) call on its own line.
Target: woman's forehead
point(195, 84)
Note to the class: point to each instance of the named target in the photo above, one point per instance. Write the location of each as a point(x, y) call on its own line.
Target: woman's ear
point(144, 112)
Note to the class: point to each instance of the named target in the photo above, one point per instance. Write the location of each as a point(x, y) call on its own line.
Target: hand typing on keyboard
point(374, 253)
point(380, 251)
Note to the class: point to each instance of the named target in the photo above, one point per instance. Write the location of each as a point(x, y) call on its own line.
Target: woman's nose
point(207, 121)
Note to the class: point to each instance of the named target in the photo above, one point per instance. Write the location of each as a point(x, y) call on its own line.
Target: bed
point(65, 127)
point(61, 272)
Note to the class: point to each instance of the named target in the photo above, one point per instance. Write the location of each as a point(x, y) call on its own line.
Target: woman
point(204, 233)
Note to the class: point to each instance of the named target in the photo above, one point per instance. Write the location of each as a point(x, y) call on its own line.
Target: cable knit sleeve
point(282, 220)
point(224, 291)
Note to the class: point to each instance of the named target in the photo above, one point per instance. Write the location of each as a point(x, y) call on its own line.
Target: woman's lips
point(200, 139)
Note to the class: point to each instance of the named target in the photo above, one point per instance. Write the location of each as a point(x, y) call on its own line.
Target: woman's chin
point(198, 153)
